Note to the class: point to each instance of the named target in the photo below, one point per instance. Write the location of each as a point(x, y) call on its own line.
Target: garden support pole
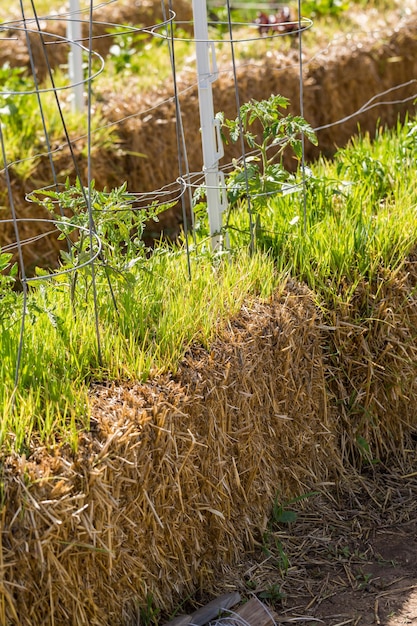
point(210, 127)
point(75, 59)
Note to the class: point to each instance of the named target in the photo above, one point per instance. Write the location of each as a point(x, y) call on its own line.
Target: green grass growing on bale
point(159, 313)
point(22, 126)
point(359, 214)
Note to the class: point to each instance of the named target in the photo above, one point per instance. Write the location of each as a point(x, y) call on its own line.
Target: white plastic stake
point(75, 59)
point(210, 130)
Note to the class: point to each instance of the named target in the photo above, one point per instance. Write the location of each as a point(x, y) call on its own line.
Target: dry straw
point(176, 479)
point(373, 374)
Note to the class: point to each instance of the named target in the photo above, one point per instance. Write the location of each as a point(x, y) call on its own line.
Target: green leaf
point(297, 146)
point(235, 131)
point(251, 139)
point(287, 517)
point(4, 260)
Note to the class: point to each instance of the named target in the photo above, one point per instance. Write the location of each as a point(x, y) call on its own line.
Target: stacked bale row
point(177, 476)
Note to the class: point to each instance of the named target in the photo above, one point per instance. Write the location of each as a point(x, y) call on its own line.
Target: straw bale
point(53, 31)
point(372, 372)
point(175, 479)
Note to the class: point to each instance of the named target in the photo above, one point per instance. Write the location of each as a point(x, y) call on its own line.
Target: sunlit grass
point(358, 215)
point(144, 67)
point(25, 117)
point(158, 316)
point(42, 8)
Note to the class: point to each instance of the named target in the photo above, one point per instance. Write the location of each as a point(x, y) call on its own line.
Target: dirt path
point(377, 584)
point(347, 560)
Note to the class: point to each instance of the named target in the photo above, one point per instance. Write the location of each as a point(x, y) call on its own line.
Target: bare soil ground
point(375, 584)
point(378, 587)
point(349, 562)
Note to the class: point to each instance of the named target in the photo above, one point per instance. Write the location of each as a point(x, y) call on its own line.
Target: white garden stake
point(75, 59)
point(210, 127)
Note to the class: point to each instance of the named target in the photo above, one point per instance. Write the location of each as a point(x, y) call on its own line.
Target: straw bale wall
point(176, 478)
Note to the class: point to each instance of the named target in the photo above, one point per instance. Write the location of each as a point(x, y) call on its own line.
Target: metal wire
point(22, 266)
point(91, 224)
point(38, 96)
point(241, 137)
point(301, 87)
point(181, 147)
